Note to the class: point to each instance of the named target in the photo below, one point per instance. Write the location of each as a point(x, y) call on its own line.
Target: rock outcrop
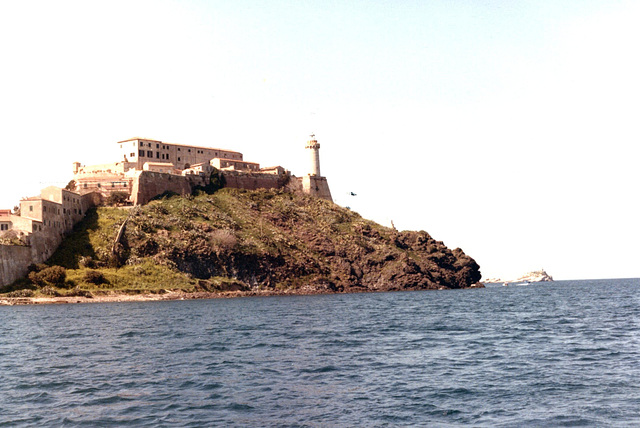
point(534, 276)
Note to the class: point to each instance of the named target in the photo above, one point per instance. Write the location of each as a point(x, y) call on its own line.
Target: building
point(5, 220)
point(145, 168)
point(138, 151)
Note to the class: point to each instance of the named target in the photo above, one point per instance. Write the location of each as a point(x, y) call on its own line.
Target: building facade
point(138, 151)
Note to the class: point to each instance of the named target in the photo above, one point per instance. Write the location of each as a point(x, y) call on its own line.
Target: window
point(157, 155)
point(167, 156)
point(178, 159)
point(149, 154)
point(157, 146)
point(133, 155)
point(141, 153)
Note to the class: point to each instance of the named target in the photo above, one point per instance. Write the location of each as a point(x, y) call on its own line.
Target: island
point(533, 276)
point(222, 228)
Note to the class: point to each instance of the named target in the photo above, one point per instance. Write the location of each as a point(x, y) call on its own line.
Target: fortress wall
point(316, 186)
point(14, 261)
point(253, 181)
point(148, 185)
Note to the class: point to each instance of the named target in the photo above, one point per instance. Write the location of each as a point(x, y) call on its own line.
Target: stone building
point(40, 227)
point(139, 151)
point(5, 220)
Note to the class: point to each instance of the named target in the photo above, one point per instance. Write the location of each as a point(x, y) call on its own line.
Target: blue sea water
point(557, 354)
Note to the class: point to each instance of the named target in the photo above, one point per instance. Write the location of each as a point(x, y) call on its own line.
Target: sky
point(508, 129)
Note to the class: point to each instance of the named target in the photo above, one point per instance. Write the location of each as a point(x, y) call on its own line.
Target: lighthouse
point(314, 146)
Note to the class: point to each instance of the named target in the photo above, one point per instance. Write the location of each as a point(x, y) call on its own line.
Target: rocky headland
point(238, 242)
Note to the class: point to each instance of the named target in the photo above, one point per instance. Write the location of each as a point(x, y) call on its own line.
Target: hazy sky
point(506, 128)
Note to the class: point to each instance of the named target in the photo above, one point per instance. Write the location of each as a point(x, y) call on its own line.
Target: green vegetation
point(243, 240)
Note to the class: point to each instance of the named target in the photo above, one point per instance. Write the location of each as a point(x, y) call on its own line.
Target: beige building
point(5, 220)
point(56, 210)
point(138, 151)
point(234, 165)
point(166, 168)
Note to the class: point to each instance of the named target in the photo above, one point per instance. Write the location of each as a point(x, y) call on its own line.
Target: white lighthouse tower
point(313, 183)
point(315, 155)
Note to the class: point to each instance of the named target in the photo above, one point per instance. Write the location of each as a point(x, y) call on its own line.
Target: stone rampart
point(254, 181)
point(14, 261)
point(316, 186)
point(148, 185)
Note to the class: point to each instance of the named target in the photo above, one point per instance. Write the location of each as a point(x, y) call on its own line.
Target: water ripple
point(561, 354)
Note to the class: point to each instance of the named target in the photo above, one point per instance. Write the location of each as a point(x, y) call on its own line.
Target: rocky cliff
point(255, 241)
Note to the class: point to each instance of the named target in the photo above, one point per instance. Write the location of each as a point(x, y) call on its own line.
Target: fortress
point(147, 168)
point(150, 167)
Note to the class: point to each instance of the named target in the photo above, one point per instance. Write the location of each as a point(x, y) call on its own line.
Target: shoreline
point(180, 295)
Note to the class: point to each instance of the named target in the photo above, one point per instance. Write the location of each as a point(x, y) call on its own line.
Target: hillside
point(251, 241)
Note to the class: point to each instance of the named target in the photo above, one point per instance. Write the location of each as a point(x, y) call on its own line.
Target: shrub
point(21, 293)
point(95, 277)
point(87, 262)
point(54, 275)
point(223, 239)
point(117, 198)
point(49, 291)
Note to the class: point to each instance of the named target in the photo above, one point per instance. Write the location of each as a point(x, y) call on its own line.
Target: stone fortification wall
point(148, 184)
point(15, 259)
point(13, 262)
point(254, 181)
point(316, 186)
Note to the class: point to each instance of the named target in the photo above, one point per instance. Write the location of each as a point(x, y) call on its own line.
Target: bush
point(54, 275)
point(88, 262)
point(223, 239)
point(49, 291)
point(117, 198)
point(95, 277)
point(21, 293)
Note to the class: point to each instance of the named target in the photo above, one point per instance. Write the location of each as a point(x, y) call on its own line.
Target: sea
point(565, 353)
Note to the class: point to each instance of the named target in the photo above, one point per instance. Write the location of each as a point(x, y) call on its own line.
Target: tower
point(315, 155)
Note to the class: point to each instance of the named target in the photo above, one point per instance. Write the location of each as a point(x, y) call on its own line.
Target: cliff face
point(281, 241)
